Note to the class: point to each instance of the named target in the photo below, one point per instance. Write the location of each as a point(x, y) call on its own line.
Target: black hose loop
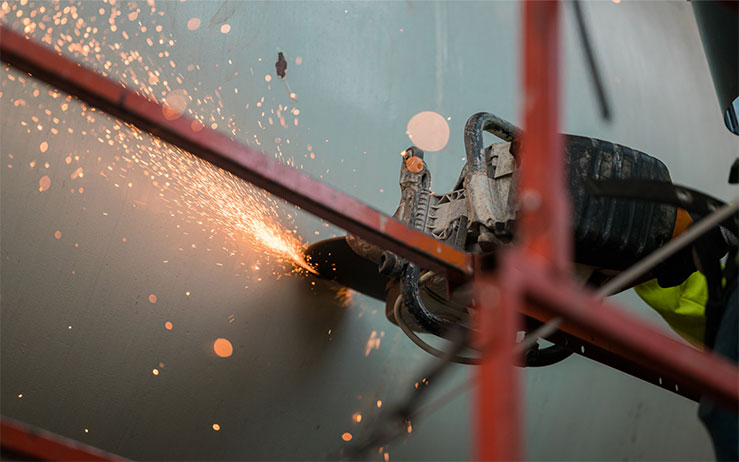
point(473, 142)
point(412, 299)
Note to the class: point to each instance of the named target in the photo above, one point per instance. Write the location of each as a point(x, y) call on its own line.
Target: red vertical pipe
point(498, 429)
point(543, 226)
point(543, 233)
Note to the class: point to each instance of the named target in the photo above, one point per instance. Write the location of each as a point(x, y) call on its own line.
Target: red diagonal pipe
point(30, 443)
point(281, 180)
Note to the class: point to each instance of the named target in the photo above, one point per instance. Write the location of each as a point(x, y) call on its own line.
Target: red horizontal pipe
point(281, 180)
point(608, 326)
point(20, 440)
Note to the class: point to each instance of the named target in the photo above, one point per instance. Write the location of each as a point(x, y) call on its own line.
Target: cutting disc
point(333, 259)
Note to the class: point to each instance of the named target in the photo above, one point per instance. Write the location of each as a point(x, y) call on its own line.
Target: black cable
point(595, 75)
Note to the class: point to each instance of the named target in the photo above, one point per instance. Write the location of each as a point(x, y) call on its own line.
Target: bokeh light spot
point(346, 436)
point(44, 183)
point(429, 131)
point(193, 24)
point(223, 348)
point(175, 104)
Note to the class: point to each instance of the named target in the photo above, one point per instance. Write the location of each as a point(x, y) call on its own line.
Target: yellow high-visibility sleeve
point(683, 306)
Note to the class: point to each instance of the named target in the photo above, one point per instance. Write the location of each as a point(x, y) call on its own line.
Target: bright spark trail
point(193, 189)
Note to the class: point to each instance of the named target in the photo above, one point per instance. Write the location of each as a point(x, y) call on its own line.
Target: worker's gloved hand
point(676, 269)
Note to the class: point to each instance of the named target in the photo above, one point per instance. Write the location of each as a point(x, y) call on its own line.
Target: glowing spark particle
point(298, 60)
point(222, 201)
point(616, 1)
point(346, 436)
point(168, 325)
point(187, 293)
point(193, 24)
point(379, 403)
point(20, 395)
point(387, 455)
point(216, 427)
point(155, 371)
point(87, 430)
point(58, 234)
point(44, 183)
point(152, 298)
point(344, 296)
point(357, 417)
point(223, 348)
point(373, 343)
point(267, 78)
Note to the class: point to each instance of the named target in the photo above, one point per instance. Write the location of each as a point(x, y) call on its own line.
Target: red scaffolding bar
point(23, 442)
point(542, 234)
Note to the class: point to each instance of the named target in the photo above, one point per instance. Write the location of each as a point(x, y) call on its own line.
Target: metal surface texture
point(272, 397)
point(220, 150)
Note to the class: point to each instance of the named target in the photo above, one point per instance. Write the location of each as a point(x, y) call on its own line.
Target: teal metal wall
point(81, 334)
